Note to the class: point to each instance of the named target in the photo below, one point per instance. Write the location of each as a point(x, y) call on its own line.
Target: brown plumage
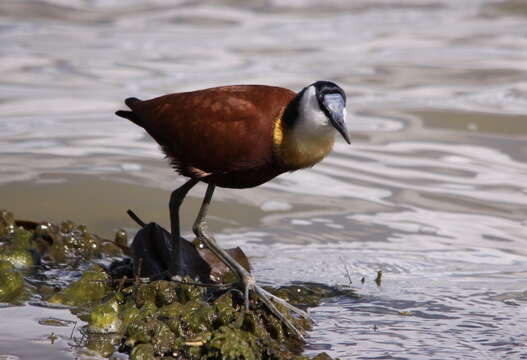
point(238, 137)
point(222, 135)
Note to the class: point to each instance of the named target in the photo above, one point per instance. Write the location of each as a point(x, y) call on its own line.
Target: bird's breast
point(296, 151)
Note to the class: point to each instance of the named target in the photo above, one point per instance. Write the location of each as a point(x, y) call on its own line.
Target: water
point(432, 191)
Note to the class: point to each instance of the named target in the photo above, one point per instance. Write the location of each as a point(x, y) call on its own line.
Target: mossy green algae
point(156, 320)
point(11, 282)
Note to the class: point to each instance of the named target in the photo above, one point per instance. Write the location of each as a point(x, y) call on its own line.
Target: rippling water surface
point(433, 190)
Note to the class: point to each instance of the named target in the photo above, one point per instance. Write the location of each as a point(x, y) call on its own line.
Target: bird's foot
point(245, 278)
point(266, 297)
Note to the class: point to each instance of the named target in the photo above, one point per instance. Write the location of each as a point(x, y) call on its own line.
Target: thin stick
point(72, 331)
point(346, 268)
point(136, 218)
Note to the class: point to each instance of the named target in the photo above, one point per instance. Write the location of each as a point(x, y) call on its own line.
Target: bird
point(239, 136)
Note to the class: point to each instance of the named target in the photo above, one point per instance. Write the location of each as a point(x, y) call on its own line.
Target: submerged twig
point(346, 269)
point(73, 330)
point(378, 279)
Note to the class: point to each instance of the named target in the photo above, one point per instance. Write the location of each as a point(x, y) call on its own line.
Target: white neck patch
point(311, 119)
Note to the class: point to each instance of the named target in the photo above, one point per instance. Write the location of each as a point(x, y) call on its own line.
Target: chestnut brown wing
point(215, 131)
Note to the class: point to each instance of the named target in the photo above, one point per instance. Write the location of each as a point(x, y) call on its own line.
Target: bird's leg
point(245, 278)
point(176, 265)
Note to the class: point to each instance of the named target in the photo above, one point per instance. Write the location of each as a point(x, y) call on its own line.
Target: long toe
point(281, 301)
point(262, 295)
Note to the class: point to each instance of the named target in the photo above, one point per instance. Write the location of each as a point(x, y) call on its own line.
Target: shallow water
point(432, 191)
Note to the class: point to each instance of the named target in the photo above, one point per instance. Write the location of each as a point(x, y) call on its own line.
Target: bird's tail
point(130, 115)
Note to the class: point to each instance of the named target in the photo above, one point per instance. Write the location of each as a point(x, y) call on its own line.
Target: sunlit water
point(433, 190)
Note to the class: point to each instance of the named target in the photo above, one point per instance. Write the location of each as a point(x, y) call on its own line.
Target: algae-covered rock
point(139, 331)
point(310, 294)
point(322, 356)
point(121, 239)
point(68, 242)
point(109, 248)
point(190, 319)
point(225, 309)
point(11, 282)
point(91, 287)
point(128, 314)
point(163, 339)
point(7, 222)
point(71, 242)
point(142, 352)
point(20, 238)
point(104, 318)
point(229, 343)
point(54, 322)
point(166, 292)
point(144, 293)
point(102, 344)
point(21, 259)
point(149, 319)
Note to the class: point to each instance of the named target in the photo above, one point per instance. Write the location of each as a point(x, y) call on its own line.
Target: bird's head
point(320, 109)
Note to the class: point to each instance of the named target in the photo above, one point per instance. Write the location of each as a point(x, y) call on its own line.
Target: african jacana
point(240, 137)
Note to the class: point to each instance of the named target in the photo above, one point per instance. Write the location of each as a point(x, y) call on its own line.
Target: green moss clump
point(128, 314)
point(309, 294)
point(230, 343)
point(7, 223)
point(53, 322)
point(142, 352)
point(11, 282)
point(182, 320)
point(102, 344)
point(90, 288)
point(20, 238)
point(225, 309)
point(140, 330)
point(21, 259)
point(163, 339)
point(322, 356)
point(56, 244)
point(121, 239)
point(104, 318)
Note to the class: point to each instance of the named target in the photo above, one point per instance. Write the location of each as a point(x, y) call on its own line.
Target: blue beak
point(336, 106)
